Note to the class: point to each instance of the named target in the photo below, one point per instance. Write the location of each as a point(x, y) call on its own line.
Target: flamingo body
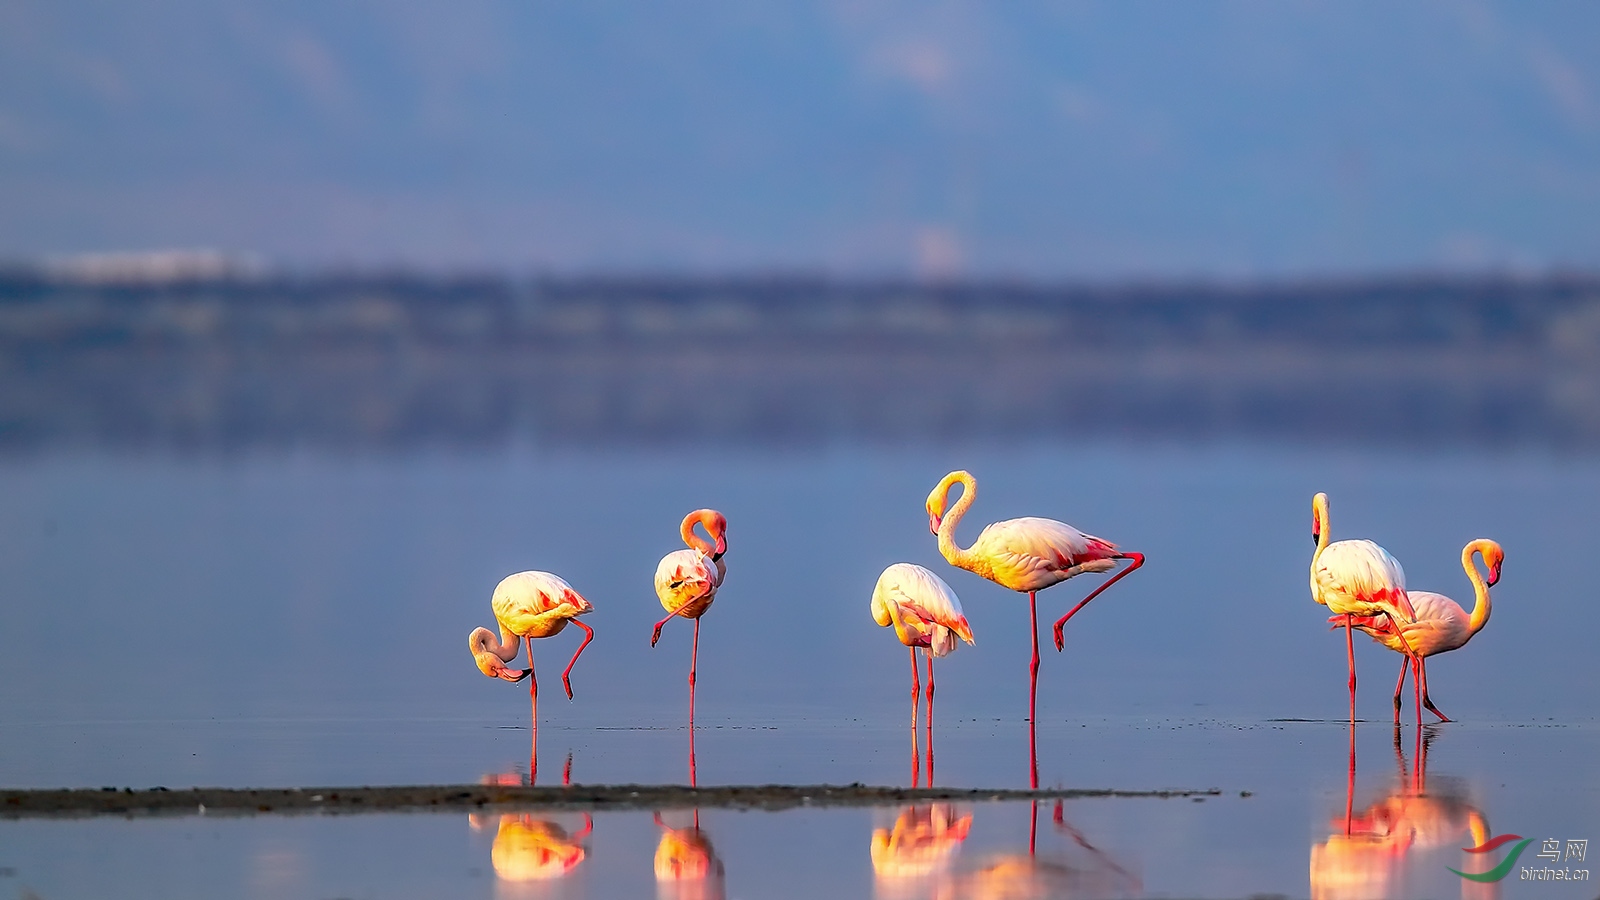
point(1359, 578)
point(1031, 553)
point(1441, 626)
point(536, 604)
point(924, 611)
point(687, 582)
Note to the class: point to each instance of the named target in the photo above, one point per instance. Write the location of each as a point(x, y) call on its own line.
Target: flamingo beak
point(933, 523)
point(1494, 576)
point(515, 675)
point(1316, 537)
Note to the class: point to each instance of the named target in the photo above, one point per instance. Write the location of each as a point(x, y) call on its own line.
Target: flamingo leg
point(916, 702)
point(694, 656)
point(1033, 693)
point(1422, 674)
point(930, 719)
point(1350, 655)
point(1416, 687)
point(1138, 560)
point(656, 635)
point(566, 679)
point(533, 695)
point(1033, 828)
point(566, 771)
point(1405, 663)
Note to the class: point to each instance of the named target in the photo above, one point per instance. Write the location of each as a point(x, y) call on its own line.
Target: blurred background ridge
point(179, 357)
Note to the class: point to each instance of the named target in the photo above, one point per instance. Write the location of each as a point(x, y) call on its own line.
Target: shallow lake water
point(282, 620)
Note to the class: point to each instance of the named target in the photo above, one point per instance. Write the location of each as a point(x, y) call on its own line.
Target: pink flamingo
point(687, 582)
point(1441, 624)
point(1355, 578)
point(529, 605)
point(925, 613)
point(1028, 554)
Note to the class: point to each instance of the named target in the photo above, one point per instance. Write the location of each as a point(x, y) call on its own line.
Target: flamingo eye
point(677, 584)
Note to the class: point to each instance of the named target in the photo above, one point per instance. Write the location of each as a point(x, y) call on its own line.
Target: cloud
point(1565, 85)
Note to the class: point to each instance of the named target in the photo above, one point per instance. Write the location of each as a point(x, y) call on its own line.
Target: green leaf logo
point(1502, 870)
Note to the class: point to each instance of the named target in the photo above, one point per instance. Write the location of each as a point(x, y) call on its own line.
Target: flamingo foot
point(656, 635)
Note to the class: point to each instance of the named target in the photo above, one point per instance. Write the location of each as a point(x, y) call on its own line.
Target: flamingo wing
point(1030, 552)
point(1361, 577)
point(1441, 625)
point(685, 576)
point(522, 598)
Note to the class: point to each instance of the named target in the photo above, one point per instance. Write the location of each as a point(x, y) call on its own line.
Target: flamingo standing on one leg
point(529, 605)
point(1355, 578)
point(687, 583)
point(1028, 554)
point(925, 613)
point(1441, 624)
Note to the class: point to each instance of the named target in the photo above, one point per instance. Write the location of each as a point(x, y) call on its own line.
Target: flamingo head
point(1319, 516)
point(936, 501)
point(490, 665)
point(1495, 557)
point(717, 524)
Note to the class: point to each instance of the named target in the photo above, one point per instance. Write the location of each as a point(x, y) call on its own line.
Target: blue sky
point(1047, 141)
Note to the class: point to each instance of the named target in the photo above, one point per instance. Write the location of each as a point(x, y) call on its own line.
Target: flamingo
point(1355, 578)
point(1028, 554)
point(687, 582)
point(1441, 624)
point(925, 613)
point(529, 605)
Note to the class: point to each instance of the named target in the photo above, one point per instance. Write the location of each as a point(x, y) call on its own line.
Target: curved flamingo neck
point(953, 554)
point(1480, 589)
point(506, 648)
point(1319, 509)
point(713, 523)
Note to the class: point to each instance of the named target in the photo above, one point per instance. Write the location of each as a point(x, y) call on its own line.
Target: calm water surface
point(270, 620)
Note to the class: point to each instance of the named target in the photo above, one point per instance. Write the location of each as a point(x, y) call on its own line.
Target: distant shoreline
point(396, 361)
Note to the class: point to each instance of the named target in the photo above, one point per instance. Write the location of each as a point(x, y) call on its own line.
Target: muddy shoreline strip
point(19, 804)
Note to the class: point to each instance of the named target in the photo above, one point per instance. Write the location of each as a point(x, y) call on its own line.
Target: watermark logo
point(1552, 849)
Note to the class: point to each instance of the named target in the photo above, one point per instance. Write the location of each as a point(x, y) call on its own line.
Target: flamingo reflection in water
point(917, 850)
point(529, 605)
point(686, 865)
point(925, 613)
point(1081, 870)
point(533, 849)
point(1367, 855)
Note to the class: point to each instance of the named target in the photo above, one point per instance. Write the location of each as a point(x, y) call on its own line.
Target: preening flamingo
point(1441, 624)
point(687, 582)
point(1355, 578)
point(925, 613)
point(1028, 554)
point(529, 605)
